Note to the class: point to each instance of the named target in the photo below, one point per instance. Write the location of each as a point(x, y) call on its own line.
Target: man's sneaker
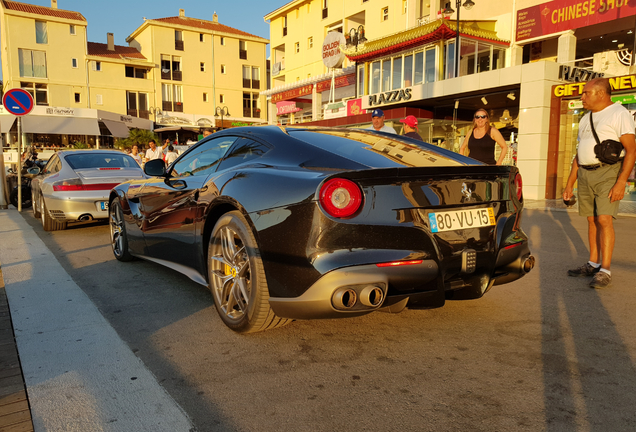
point(601, 280)
point(585, 270)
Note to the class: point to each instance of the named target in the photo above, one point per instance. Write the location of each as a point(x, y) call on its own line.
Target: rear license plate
point(461, 219)
point(103, 205)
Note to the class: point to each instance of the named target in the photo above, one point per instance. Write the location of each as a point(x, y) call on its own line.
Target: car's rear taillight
point(74, 185)
point(340, 198)
point(518, 184)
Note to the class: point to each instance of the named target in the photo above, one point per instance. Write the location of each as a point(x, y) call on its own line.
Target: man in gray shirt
point(377, 120)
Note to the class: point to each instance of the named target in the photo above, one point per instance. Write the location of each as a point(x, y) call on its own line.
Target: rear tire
point(118, 235)
point(237, 277)
point(35, 206)
point(48, 223)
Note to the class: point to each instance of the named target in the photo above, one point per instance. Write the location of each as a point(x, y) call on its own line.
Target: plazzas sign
point(560, 15)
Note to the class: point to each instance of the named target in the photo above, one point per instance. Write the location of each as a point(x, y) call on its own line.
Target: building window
point(404, 7)
point(74, 63)
point(397, 73)
point(205, 97)
point(385, 13)
point(137, 104)
point(222, 41)
point(171, 68)
point(97, 66)
point(32, 63)
point(39, 92)
point(41, 33)
point(386, 75)
point(242, 50)
point(375, 77)
point(178, 40)
point(310, 42)
point(251, 77)
point(178, 98)
point(221, 98)
point(78, 98)
point(201, 39)
point(72, 29)
point(285, 25)
point(133, 72)
point(360, 81)
point(166, 97)
point(297, 47)
point(325, 12)
point(223, 69)
point(250, 105)
point(99, 100)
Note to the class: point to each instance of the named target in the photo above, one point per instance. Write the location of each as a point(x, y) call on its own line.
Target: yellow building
point(176, 71)
point(202, 68)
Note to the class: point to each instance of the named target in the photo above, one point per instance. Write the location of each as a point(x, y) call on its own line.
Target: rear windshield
point(100, 160)
point(377, 151)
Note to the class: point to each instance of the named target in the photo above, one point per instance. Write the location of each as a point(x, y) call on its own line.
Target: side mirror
point(155, 168)
point(34, 170)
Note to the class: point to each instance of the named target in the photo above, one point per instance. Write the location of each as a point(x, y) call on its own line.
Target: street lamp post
point(468, 4)
point(155, 111)
point(223, 112)
point(356, 37)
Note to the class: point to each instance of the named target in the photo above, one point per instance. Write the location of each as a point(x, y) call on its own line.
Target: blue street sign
point(18, 102)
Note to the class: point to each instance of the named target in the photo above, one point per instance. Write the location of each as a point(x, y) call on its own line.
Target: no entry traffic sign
point(18, 102)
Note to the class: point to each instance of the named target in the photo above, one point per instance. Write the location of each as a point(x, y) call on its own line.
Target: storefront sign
point(561, 15)
point(283, 108)
point(627, 82)
point(332, 57)
point(61, 111)
point(354, 107)
point(341, 81)
point(574, 74)
point(390, 97)
point(293, 93)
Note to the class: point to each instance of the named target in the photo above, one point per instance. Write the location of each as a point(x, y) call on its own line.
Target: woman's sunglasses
point(481, 117)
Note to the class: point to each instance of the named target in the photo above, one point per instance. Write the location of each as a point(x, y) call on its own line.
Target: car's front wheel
point(118, 235)
point(237, 278)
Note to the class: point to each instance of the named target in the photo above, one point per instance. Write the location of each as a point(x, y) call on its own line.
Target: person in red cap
point(410, 127)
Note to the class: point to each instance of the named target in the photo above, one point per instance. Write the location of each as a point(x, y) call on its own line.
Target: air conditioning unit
point(613, 63)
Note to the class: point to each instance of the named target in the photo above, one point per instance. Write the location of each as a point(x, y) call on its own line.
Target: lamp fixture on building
point(356, 37)
point(223, 112)
point(511, 96)
point(156, 112)
point(447, 12)
point(484, 100)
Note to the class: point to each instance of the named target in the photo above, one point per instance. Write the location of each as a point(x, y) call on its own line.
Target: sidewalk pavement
point(78, 373)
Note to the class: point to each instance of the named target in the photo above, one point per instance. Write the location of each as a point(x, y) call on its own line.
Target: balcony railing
point(144, 114)
point(165, 75)
point(247, 83)
point(247, 112)
point(166, 106)
point(178, 106)
point(178, 45)
point(132, 112)
point(176, 75)
point(256, 84)
point(243, 54)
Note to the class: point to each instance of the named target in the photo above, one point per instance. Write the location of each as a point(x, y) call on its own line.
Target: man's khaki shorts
point(593, 190)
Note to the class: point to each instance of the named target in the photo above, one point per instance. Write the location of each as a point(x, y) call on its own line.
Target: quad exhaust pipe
point(371, 296)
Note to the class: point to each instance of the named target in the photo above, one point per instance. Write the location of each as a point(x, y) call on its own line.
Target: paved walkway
point(72, 360)
point(79, 374)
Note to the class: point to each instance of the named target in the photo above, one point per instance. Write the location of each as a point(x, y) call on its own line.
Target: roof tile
point(101, 50)
point(204, 25)
point(41, 10)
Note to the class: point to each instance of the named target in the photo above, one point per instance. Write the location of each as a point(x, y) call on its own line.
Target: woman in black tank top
point(482, 139)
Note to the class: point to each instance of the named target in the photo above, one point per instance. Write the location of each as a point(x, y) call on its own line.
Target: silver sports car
point(75, 184)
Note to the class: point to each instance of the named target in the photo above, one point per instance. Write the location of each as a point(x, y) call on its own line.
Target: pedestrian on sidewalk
point(601, 185)
point(410, 127)
point(481, 141)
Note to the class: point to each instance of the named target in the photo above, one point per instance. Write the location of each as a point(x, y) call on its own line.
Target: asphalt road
point(543, 353)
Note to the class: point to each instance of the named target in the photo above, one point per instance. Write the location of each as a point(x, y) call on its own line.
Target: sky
point(122, 17)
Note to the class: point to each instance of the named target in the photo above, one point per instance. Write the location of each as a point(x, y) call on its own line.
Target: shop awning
point(117, 129)
point(60, 125)
point(6, 123)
